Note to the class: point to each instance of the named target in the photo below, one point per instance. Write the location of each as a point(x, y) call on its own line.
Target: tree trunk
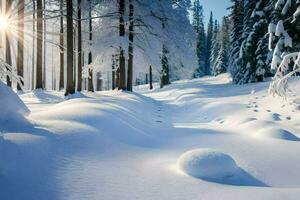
point(61, 44)
point(44, 46)
point(150, 77)
point(20, 55)
point(33, 44)
point(39, 45)
point(130, 48)
point(113, 73)
point(146, 79)
point(122, 80)
point(7, 41)
point(165, 80)
point(79, 46)
point(70, 89)
point(90, 56)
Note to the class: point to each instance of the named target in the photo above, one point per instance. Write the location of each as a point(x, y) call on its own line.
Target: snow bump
point(207, 164)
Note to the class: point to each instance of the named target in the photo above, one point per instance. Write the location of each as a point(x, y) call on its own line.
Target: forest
point(149, 99)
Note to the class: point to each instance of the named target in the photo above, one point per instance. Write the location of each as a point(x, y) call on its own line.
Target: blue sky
point(218, 7)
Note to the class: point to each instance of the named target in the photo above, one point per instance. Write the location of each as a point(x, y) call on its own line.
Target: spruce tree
point(198, 25)
point(222, 61)
point(215, 45)
point(209, 43)
point(237, 16)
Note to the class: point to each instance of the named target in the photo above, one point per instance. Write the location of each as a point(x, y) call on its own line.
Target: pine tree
point(209, 44)
point(7, 41)
point(222, 61)
point(201, 46)
point(237, 16)
point(216, 45)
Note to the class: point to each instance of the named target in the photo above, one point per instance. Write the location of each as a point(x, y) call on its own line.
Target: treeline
point(259, 39)
point(79, 45)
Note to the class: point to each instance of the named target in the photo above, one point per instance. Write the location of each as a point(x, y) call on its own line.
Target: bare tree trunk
point(39, 45)
point(150, 77)
point(113, 73)
point(61, 44)
point(130, 48)
point(33, 44)
point(20, 55)
point(7, 41)
point(79, 46)
point(44, 46)
point(90, 56)
point(70, 89)
point(122, 80)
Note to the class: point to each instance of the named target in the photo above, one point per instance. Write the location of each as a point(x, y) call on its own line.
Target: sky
point(218, 7)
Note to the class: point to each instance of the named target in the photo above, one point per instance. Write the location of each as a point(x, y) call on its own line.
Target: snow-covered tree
point(201, 44)
point(285, 44)
point(209, 43)
point(222, 61)
point(236, 17)
point(216, 45)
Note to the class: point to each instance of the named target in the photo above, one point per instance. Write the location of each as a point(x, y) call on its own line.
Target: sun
point(3, 22)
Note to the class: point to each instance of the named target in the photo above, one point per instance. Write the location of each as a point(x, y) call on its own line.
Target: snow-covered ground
point(114, 145)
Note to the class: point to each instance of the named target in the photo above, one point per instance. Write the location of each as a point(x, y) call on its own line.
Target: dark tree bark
point(44, 45)
point(70, 89)
point(39, 45)
point(90, 56)
point(130, 48)
point(165, 80)
point(7, 41)
point(113, 74)
point(79, 46)
point(150, 77)
point(122, 80)
point(33, 44)
point(61, 44)
point(20, 55)
point(146, 79)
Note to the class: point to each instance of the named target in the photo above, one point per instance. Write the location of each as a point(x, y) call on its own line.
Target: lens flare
point(3, 22)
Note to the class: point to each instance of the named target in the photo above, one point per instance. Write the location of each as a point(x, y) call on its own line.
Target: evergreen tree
point(201, 46)
point(222, 62)
point(237, 16)
point(209, 43)
point(215, 45)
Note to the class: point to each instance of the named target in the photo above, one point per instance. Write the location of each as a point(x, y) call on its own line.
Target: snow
point(12, 108)
point(208, 164)
point(118, 145)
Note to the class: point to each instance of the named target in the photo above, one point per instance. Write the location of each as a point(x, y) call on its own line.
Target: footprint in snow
point(269, 111)
point(288, 118)
point(255, 110)
point(158, 121)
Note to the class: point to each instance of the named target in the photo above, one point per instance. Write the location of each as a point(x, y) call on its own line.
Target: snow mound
point(12, 107)
point(207, 164)
point(277, 133)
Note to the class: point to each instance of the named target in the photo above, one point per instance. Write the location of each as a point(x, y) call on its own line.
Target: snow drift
point(207, 164)
point(12, 107)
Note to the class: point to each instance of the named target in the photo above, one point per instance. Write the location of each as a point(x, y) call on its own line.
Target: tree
point(209, 43)
point(7, 41)
point(70, 88)
point(130, 48)
point(20, 55)
point(150, 77)
point(79, 46)
point(215, 45)
point(39, 45)
point(122, 80)
point(90, 56)
point(201, 45)
point(222, 61)
point(236, 17)
point(61, 46)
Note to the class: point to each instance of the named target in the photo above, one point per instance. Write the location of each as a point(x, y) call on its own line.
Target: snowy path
point(125, 146)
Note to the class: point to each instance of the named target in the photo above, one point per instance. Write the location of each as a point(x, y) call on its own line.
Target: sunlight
point(3, 22)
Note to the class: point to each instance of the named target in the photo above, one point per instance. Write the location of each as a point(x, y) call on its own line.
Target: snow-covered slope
point(114, 145)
